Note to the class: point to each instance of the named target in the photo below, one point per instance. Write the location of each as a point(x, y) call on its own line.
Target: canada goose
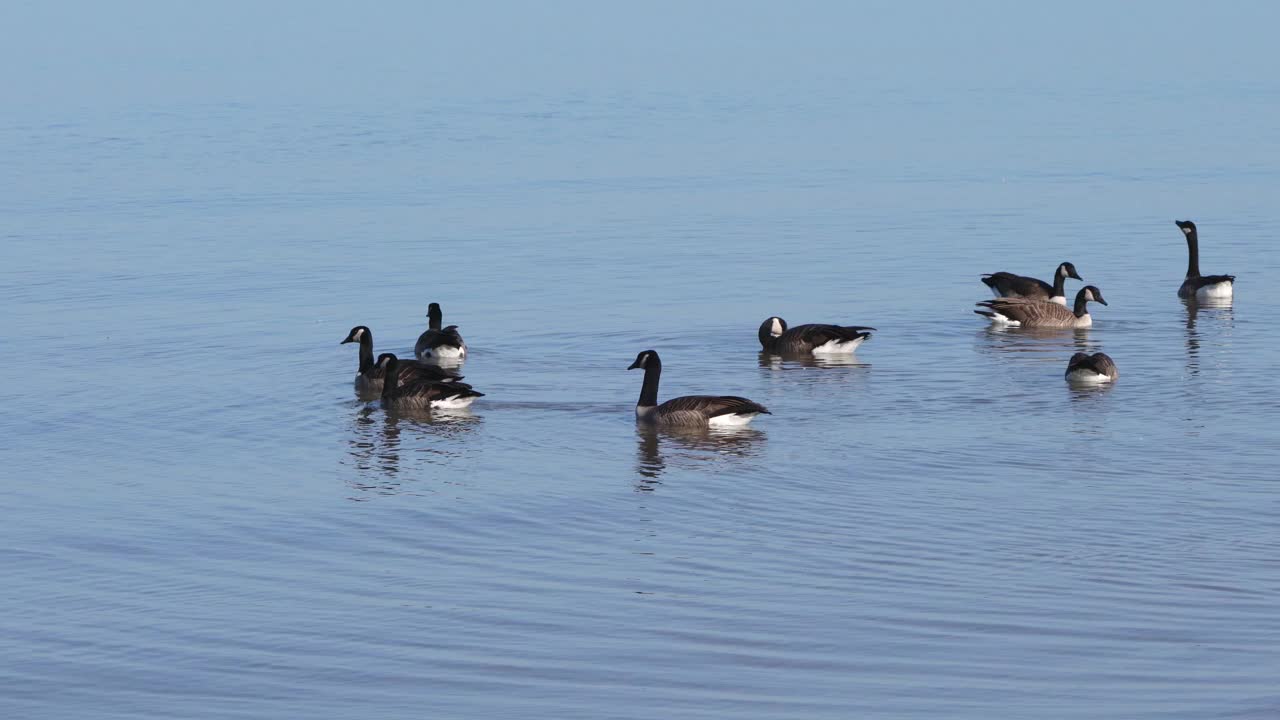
point(689, 410)
point(778, 339)
point(369, 375)
point(437, 343)
point(422, 393)
point(1005, 284)
point(1091, 369)
point(1038, 313)
point(1201, 287)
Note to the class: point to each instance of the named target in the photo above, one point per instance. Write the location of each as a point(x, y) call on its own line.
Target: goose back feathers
point(1005, 284)
point(369, 375)
point(438, 343)
point(419, 393)
point(1038, 313)
point(1089, 369)
point(688, 410)
point(1197, 286)
point(777, 338)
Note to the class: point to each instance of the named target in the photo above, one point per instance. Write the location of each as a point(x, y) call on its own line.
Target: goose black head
point(357, 334)
point(1091, 292)
point(1187, 227)
point(386, 359)
point(1066, 269)
point(646, 359)
point(1077, 359)
point(770, 329)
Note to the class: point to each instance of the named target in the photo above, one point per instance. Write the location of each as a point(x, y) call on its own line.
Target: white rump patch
point(1084, 376)
point(998, 319)
point(1216, 290)
point(454, 403)
point(445, 351)
point(837, 347)
point(730, 420)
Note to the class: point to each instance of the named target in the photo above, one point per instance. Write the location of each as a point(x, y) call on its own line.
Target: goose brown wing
point(1030, 312)
point(1101, 363)
point(710, 406)
point(1011, 285)
point(1204, 280)
point(412, 370)
point(432, 339)
point(818, 334)
point(430, 390)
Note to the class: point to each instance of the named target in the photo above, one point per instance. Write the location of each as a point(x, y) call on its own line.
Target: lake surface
point(202, 520)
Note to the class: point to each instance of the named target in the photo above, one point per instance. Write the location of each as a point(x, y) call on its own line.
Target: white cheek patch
point(360, 333)
point(1186, 231)
point(776, 330)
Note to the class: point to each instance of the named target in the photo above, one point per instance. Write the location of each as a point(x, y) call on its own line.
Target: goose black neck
point(1193, 255)
point(390, 384)
point(649, 390)
point(433, 317)
point(366, 352)
point(1059, 283)
point(767, 340)
point(1082, 304)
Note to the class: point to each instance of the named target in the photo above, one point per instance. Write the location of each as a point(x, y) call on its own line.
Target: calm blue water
point(201, 519)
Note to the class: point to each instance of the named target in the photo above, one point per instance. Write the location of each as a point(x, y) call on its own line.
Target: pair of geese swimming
point(1028, 302)
point(1021, 301)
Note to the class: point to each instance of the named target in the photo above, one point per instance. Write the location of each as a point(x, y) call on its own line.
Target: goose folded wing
point(1026, 310)
point(1102, 364)
point(1204, 280)
point(710, 406)
point(818, 334)
point(412, 371)
point(1021, 284)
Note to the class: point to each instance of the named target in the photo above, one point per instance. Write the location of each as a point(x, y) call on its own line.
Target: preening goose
point(437, 343)
point(1091, 369)
point(369, 376)
point(1038, 313)
point(1005, 284)
point(777, 338)
point(689, 410)
point(1201, 287)
point(423, 393)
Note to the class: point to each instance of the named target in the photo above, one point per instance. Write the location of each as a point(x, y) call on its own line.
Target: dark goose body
point(439, 343)
point(1041, 313)
point(777, 338)
point(419, 393)
point(369, 375)
point(1197, 286)
point(1004, 284)
point(1095, 368)
point(688, 410)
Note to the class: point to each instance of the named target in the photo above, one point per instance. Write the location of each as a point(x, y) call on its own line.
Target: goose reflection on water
point(1220, 311)
point(659, 447)
point(770, 361)
point(1004, 339)
point(383, 443)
